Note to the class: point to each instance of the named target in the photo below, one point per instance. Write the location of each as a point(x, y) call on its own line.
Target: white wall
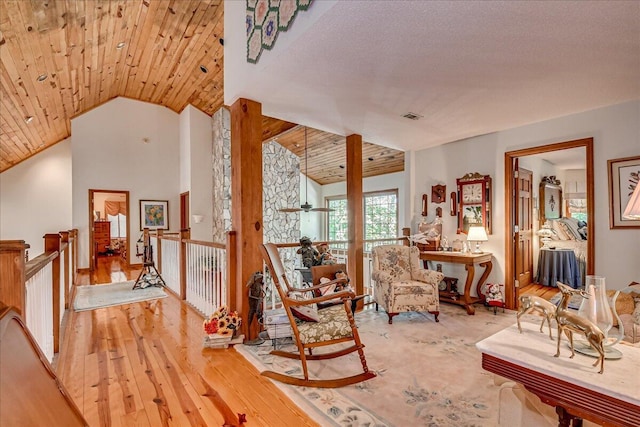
point(109, 153)
point(35, 197)
point(616, 133)
point(200, 176)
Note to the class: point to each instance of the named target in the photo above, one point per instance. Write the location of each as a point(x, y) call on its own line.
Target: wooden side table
point(572, 386)
point(469, 260)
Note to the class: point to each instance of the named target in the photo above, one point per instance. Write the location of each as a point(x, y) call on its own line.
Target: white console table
point(572, 386)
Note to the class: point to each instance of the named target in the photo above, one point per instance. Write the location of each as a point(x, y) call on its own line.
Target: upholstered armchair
point(401, 284)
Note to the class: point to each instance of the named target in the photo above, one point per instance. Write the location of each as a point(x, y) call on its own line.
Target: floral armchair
point(401, 284)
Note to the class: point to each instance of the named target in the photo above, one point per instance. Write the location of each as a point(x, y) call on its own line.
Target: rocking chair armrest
point(339, 281)
point(330, 296)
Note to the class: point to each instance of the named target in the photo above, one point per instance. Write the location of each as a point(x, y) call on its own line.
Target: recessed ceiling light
point(28, 119)
point(370, 159)
point(341, 166)
point(203, 69)
point(42, 77)
point(120, 45)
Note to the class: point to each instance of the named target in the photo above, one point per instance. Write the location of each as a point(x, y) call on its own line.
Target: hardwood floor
point(143, 364)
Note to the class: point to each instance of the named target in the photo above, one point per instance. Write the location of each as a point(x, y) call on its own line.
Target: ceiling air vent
point(412, 116)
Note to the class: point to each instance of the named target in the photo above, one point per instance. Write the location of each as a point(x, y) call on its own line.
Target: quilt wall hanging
point(266, 19)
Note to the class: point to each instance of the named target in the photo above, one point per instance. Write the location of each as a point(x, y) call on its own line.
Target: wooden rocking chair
point(334, 325)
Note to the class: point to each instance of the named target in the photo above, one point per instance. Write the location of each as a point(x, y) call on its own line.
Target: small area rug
point(428, 373)
point(98, 296)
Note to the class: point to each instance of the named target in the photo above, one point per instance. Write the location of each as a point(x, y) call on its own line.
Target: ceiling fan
point(306, 206)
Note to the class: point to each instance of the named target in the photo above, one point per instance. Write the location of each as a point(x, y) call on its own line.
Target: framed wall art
point(550, 199)
point(623, 178)
point(154, 214)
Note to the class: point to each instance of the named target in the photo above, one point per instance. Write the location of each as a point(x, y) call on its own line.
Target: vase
point(596, 308)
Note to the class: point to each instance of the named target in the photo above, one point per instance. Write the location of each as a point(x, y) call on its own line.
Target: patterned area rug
point(429, 374)
point(98, 296)
point(574, 302)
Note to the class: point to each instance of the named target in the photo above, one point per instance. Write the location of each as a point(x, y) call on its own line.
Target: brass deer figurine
point(570, 322)
point(529, 303)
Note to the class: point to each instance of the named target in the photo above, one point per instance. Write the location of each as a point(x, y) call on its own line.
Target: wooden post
point(52, 244)
point(406, 232)
point(355, 250)
point(231, 269)
point(12, 271)
point(64, 241)
point(159, 234)
point(74, 255)
point(184, 235)
point(246, 197)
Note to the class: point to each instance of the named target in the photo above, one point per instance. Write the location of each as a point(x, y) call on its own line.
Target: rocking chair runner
point(335, 325)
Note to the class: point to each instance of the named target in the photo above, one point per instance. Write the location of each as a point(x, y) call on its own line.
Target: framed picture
point(623, 179)
point(551, 198)
point(154, 214)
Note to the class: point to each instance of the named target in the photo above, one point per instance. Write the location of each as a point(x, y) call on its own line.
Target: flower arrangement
point(222, 322)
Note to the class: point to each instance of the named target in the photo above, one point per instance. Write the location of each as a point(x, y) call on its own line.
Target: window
point(118, 225)
point(380, 216)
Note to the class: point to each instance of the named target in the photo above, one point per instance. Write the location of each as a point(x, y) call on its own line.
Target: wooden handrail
point(38, 263)
point(203, 243)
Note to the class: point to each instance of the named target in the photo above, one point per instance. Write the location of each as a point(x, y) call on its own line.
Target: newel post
point(12, 271)
point(184, 236)
point(406, 232)
point(52, 244)
point(64, 241)
point(159, 234)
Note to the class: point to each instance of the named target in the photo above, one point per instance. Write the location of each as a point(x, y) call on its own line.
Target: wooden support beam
point(184, 236)
point(246, 199)
point(12, 271)
point(355, 250)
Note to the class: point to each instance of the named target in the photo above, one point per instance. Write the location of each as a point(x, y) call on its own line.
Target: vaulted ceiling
point(61, 58)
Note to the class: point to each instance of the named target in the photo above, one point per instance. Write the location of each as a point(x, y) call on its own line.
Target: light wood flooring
point(143, 364)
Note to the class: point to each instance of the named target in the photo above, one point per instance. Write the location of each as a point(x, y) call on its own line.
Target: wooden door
point(524, 211)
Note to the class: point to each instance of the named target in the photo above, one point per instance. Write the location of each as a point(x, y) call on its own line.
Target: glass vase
point(596, 308)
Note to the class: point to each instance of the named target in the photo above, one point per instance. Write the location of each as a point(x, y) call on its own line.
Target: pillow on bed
point(571, 225)
point(583, 232)
point(560, 231)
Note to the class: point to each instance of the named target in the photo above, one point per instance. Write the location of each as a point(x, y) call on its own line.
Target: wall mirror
point(474, 201)
point(550, 198)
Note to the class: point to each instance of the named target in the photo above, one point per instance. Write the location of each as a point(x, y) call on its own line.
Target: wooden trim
point(52, 244)
point(355, 213)
point(510, 291)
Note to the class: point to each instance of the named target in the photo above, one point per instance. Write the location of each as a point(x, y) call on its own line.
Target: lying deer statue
point(569, 322)
point(529, 303)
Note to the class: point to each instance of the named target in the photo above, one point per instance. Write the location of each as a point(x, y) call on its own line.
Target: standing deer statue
point(529, 303)
point(570, 322)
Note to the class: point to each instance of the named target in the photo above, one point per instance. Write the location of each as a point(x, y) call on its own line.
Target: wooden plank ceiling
point(61, 58)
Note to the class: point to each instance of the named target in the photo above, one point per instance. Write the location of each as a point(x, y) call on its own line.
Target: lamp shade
point(633, 207)
point(477, 234)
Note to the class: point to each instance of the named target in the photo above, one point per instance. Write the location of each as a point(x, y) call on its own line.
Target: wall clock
point(438, 193)
point(474, 201)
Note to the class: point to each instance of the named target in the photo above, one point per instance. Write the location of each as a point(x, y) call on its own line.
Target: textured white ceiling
point(469, 68)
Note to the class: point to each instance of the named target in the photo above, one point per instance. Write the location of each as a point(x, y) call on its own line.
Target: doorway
point(108, 225)
point(513, 204)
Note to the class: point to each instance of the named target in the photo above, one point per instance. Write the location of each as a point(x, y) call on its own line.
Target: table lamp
point(633, 207)
point(477, 234)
